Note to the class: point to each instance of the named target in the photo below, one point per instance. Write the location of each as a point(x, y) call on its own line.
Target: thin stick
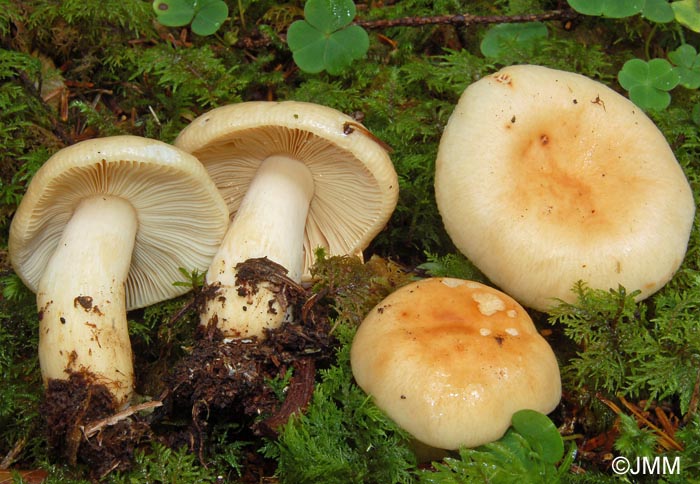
point(458, 19)
point(95, 427)
point(466, 19)
point(12, 455)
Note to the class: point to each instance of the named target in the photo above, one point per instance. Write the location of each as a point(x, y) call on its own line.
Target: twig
point(262, 40)
point(466, 19)
point(665, 440)
point(95, 427)
point(12, 455)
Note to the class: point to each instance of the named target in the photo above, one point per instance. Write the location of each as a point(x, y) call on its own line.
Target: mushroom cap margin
point(355, 194)
point(181, 215)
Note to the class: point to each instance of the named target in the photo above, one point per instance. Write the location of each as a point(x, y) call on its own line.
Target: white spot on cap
point(488, 303)
point(511, 313)
point(450, 282)
point(512, 331)
point(484, 331)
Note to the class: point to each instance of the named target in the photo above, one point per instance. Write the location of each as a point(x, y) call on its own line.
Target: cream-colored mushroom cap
point(355, 185)
point(545, 177)
point(451, 361)
point(181, 216)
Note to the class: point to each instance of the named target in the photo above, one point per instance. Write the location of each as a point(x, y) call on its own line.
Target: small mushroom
point(545, 177)
point(451, 361)
point(103, 228)
point(296, 176)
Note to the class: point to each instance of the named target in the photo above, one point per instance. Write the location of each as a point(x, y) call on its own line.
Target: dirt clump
point(224, 379)
point(79, 416)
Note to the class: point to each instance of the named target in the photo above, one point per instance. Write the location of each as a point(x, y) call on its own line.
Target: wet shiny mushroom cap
point(451, 360)
point(545, 177)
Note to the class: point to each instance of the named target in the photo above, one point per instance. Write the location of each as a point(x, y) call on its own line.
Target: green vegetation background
point(76, 69)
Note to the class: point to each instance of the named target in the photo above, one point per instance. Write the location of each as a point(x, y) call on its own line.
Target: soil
point(219, 381)
point(71, 406)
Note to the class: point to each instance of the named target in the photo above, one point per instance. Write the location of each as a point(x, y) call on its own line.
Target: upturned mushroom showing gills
point(451, 361)
point(103, 228)
point(296, 176)
point(544, 178)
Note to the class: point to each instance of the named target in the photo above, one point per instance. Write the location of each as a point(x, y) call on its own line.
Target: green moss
point(342, 437)
point(637, 350)
point(352, 287)
point(163, 464)
point(21, 388)
point(452, 265)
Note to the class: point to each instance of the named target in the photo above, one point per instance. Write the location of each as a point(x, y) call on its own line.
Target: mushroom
point(103, 229)
point(296, 176)
point(451, 361)
point(544, 178)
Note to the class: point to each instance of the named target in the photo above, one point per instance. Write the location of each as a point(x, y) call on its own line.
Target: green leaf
point(646, 97)
point(174, 13)
point(325, 40)
point(633, 71)
point(687, 14)
point(687, 62)
point(622, 8)
point(209, 17)
point(345, 46)
point(502, 36)
point(329, 15)
point(648, 83)
point(587, 7)
point(662, 75)
point(659, 11)
point(608, 8)
point(306, 44)
point(541, 433)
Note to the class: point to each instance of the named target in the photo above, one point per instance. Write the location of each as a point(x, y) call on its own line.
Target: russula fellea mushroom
point(296, 176)
point(451, 361)
point(545, 177)
point(102, 229)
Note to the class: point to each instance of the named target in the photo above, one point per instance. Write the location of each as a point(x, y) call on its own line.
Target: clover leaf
point(648, 83)
point(687, 61)
point(687, 13)
point(531, 450)
point(325, 40)
point(174, 13)
point(540, 433)
point(655, 10)
point(659, 11)
point(206, 16)
point(608, 8)
point(505, 36)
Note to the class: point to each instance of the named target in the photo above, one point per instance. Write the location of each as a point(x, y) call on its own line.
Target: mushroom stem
point(269, 223)
point(81, 297)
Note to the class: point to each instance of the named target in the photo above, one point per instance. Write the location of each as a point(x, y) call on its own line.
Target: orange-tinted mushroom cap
point(451, 361)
